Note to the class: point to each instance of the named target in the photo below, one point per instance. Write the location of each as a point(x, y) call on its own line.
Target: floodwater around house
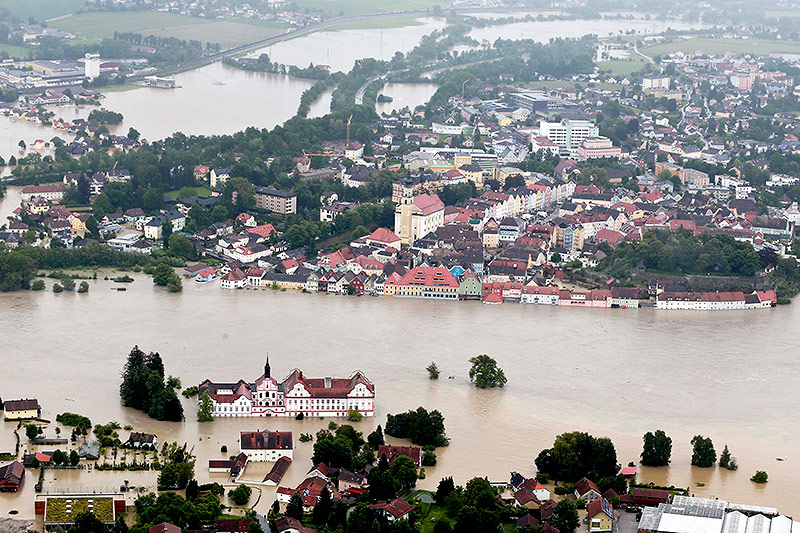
point(610, 372)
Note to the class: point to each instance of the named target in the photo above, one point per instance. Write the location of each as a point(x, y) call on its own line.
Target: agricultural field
point(41, 10)
point(379, 23)
point(708, 45)
point(228, 33)
point(360, 7)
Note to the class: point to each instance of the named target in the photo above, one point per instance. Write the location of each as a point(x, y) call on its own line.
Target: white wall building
point(295, 395)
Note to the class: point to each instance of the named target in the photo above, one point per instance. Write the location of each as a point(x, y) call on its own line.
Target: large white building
point(569, 134)
point(92, 66)
point(295, 396)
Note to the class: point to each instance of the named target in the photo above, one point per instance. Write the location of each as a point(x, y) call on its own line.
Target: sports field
point(228, 32)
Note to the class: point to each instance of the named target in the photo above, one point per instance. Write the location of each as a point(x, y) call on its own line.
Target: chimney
point(328, 383)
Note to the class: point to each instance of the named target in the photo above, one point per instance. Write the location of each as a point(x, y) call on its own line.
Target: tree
point(485, 372)
point(423, 427)
point(565, 516)
point(703, 453)
point(21, 144)
point(429, 458)
point(205, 411)
point(74, 458)
point(143, 387)
point(354, 415)
point(657, 449)
point(86, 522)
point(575, 455)
point(133, 134)
point(166, 231)
point(322, 509)
point(294, 509)
point(180, 245)
point(725, 457)
point(375, 439)
point(445, 489)
point(83, 288)
point(163, 274)
point(404, 471)
point(32, 431)
point(433, 371)
point(240, 495)
point(759, 477)
point(68, 283)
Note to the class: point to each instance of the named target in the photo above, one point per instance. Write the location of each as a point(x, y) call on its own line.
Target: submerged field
point(360, 7)
point(228, 32)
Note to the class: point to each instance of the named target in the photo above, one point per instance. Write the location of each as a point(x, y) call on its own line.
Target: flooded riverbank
point(607, 371)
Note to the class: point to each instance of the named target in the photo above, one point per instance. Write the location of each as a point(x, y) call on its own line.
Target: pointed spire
point(267, 368)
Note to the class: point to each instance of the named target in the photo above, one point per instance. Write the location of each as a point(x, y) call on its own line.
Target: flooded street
point(606, 371)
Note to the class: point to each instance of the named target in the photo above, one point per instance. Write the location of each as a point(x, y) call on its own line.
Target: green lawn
point(203, 192)
point(708, 45)
point(623, 67)
point(363, 7)
point(228, 32)
point(15, 52)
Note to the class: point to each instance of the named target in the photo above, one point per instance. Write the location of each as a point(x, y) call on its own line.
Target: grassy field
point(362, 7)
point(623, 68)
point(40, 9)
point(15, 52)
point(720, 46)
point(228, 33)
point(202, 192)
point(379, 23)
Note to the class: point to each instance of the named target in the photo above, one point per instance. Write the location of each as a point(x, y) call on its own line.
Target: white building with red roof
point(295, 396)
point(383, 237)
point(416, 216)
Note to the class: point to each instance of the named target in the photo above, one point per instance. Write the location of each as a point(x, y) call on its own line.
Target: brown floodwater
point(732, 376)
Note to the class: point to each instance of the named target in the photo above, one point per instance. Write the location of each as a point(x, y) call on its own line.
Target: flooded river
point(728, 375)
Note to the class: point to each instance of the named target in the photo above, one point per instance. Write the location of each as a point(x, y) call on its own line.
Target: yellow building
point(601, 516)
point(21, 409)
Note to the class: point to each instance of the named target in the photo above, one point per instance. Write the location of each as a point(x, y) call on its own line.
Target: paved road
point(363, 89)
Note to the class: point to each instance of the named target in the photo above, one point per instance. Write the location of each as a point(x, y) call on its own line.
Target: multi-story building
point(596, 148)
point(428, 282)
point(655, 83)
point(568, 134)
point(52, 192)
point(262, 446)
point(295, 396)
point(416, 216)
point(275, 201)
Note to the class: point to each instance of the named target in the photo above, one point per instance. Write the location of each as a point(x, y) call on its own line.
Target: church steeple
point(267, 368)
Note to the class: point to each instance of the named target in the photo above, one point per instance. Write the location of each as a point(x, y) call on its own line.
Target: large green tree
point(565, 516)
point(485, 372)
point(657, 449)
point(703, 453)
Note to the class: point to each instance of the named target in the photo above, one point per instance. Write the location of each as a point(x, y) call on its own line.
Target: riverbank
point(608, 372)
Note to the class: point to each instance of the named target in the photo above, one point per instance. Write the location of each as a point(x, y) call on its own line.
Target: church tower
point(267, 369)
